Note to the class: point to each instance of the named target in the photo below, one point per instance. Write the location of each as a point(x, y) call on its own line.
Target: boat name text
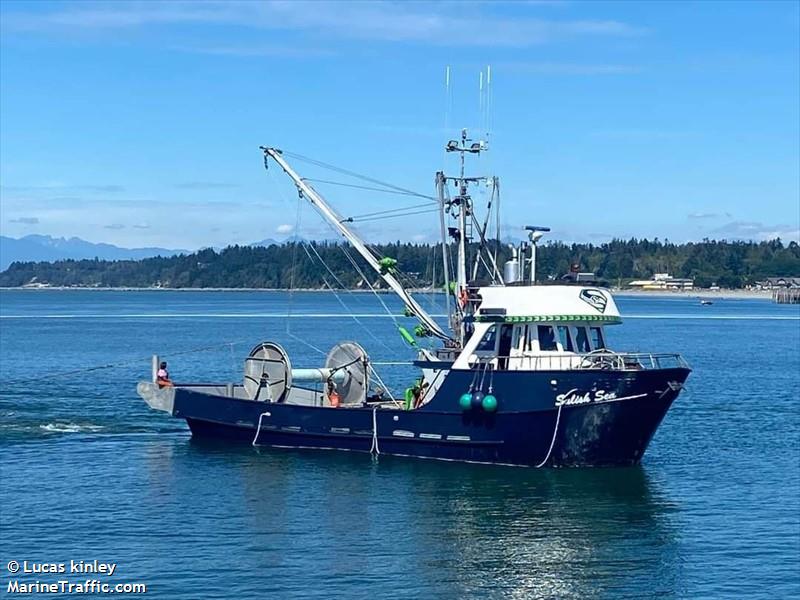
point(573, 397)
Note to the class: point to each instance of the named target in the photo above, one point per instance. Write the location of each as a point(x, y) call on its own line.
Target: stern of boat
point(157, 398)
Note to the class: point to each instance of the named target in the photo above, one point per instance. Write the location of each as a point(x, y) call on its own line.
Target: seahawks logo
point(595, 298)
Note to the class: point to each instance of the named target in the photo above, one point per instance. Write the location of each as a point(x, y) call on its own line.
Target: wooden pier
point(786, 296)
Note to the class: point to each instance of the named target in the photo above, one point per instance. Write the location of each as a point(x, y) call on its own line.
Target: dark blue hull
point(604, 419)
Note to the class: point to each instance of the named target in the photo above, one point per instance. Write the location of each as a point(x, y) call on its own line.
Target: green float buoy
point(489, 403)
point(465, 402)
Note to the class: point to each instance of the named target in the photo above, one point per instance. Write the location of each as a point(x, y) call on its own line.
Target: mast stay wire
point(392, 210)
point(373, 372)
point(325, 165)
point(495, 272)
point(391, 216)
point(372, 289)
point(363, 276)
point(379, 215)
point(347, 308)
point(368, 188)
point(297, 223)
point(131, 362)
point(371, 180)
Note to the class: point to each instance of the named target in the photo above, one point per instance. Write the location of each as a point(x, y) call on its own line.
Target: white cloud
point(284, 229)
point(62, 187)
point(755, 230)
point(565, 68)
point(25, 220)
point(257, 50)
point(703, 215)
point(205, 185)
point(440, 23)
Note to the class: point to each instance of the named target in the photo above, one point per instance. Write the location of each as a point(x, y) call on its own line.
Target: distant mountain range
point(36, 248)
point(45, 248)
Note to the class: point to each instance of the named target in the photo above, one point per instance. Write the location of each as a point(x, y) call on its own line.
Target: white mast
point(330, 215)
point(464, 203)
point(441, 184)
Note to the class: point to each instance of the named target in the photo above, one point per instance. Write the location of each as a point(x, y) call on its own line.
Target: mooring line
point(553, 441)
point(258, 429)
point(374, 449)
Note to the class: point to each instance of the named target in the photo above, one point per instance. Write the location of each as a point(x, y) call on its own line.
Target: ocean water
point(88, 472)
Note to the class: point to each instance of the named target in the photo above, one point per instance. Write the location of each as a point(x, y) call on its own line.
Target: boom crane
point(327, 212)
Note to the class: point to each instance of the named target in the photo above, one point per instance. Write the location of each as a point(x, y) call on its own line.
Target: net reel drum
point(348, 365)
point(267, 373)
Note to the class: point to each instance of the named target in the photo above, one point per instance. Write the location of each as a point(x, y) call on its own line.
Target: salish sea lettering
point(573, 397)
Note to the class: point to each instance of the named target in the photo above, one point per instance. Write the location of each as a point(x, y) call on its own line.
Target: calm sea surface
point(89, 472)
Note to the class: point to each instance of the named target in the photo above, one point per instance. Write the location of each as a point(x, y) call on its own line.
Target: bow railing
point(605, 360)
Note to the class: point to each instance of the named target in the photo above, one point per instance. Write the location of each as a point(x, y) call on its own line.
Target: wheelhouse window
point(519, 338)
point(598, 342)
point(582, 340)
point(547, 338)
point(528, 339)
point(489, 340)
point(565, 338)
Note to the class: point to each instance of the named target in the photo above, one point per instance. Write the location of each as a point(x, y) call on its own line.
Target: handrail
point(597, 360)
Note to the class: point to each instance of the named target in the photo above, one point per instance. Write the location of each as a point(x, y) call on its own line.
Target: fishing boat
point(521, 373)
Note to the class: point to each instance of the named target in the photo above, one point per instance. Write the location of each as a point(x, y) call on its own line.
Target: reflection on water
point(463, 530)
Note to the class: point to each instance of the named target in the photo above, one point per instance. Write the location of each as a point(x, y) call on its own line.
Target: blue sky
point(138, 123)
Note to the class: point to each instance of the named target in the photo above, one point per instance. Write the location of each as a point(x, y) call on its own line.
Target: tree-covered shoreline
point(729, 264)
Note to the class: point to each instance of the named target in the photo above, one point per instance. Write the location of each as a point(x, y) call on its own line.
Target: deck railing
point(597, 360)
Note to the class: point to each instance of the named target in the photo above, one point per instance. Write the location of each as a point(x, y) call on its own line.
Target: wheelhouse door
point(504, 348)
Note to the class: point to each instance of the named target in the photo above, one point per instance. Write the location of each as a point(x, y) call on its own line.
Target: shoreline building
point(663, 281)
point(773, 283)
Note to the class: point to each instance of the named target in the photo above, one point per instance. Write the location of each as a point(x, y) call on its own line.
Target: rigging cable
point(324, 165)
point(361, 273)
point(293, 270)
point(384, 387)
point(393, 210)
point(356, 319)
point(127, 363)
point(391, 216)
point(364, 187)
